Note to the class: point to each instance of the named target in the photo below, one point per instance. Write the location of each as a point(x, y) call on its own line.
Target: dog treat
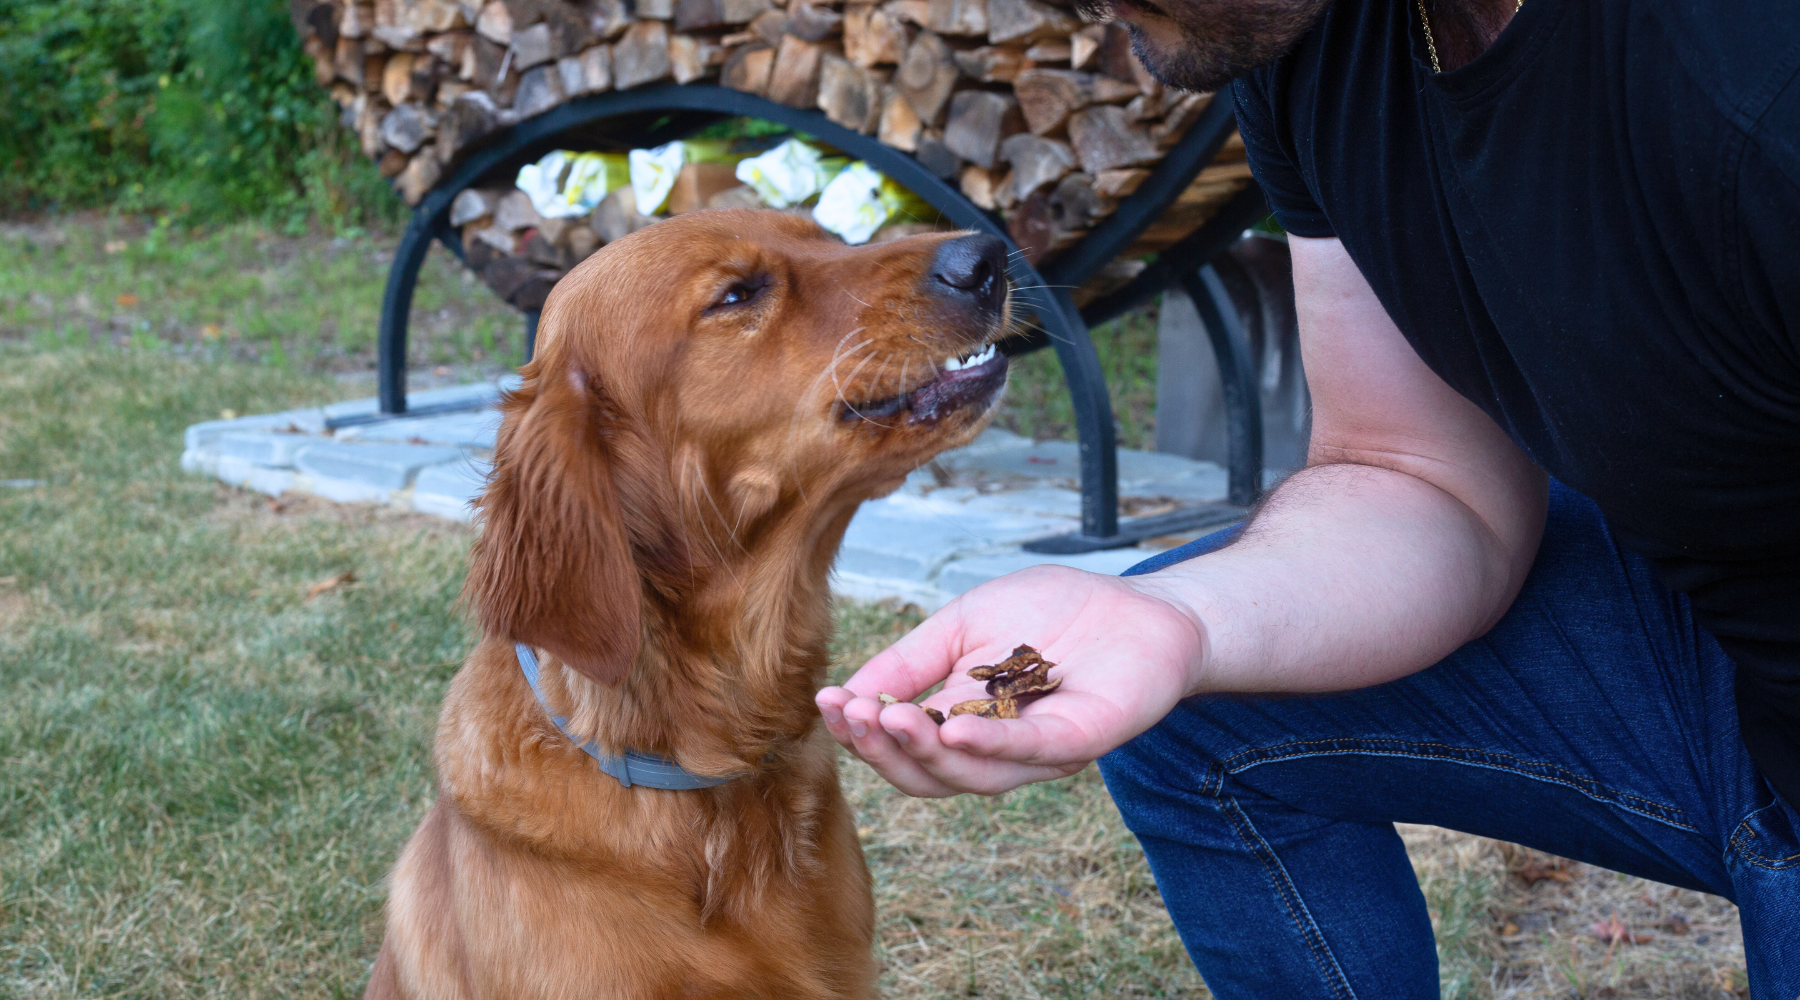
point(888, 699)
point(1017, 680)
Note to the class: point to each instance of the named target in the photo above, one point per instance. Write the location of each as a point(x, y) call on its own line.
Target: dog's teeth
point(958, 363)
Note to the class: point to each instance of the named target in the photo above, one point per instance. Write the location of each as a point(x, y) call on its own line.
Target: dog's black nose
point(972, 268)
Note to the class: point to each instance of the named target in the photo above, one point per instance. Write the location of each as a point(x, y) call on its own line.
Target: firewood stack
point(1033, 114)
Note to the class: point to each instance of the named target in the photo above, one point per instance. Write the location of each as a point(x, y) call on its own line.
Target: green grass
point(207, 774)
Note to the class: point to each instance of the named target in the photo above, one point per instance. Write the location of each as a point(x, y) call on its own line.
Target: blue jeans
point(1595, 721)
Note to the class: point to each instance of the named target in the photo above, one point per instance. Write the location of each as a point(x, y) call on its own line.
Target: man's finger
point(880, 750)
point(956, 767)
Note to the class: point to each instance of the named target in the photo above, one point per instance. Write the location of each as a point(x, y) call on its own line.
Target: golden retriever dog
point(712, 398)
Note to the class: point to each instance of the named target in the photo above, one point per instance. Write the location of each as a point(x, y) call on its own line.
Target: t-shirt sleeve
point(1272, 161)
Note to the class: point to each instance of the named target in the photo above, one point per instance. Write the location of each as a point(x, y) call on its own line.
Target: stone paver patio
point(956, 523)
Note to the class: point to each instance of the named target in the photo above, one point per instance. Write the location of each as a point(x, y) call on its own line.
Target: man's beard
point(1220, 39)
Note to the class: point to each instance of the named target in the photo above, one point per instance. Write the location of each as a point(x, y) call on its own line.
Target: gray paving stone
point(966, 574)
point(910, 538)
point(252, 476)
point(447, 490)
point(378, 467)
point(475, 429)
point(204, 435)
point(266, 448)
point(474, 395)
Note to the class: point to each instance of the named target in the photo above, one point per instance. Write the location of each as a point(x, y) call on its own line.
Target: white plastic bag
point(564, 185)
point(653, 174)
point(786, 175)
point(851, 205)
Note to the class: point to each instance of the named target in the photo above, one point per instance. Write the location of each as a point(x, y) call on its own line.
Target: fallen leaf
point(276, 506)
point(116, 246)
point(1675, 924)
point(8, 581)
point(441, 371)
point(126, 300)
point(1508, 929)
point(227, 414)
point(1534, 871)
point(330, 583)
point(211, 331)
point(1614, 931)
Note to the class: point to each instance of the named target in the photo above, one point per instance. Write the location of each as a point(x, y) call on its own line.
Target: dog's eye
point(740, 292)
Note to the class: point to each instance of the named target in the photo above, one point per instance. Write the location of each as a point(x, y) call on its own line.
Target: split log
point(515, 212)
point(1055, 218)
point(699, 15)
point(656, 10)
point(698, 183)
point(978, 184)
point(472, 204)
point(1084, 45)
point(541, 250)
point(812, 22)
point(693, 58)
point(368, 125)
point(495, 23)
point(1047, 97)
point(748, 69)
point(872, 36)
point(324, 59)
point(1053, 51)
point(979, 122)
point(958, 17)
point(606, 19)
point(472, 116)
point(849, 94)
point(449, 47)
point(1036, 161)
point(1103, 139)
point(936, 157)
point(769, 26)
point(899, 126)
point(531, 46)
point(1119, 183)
point(1022, 22)
point(506, 275)
point(1079, 207)
point(742, 196)
point(349, 62)
point(1004, 199)
point(407, 127)
point(642, 55)
point(927, 76)
point(392, 162)
point(418, 177)
point(914, 12)
point(357, 20)
point(431, 16)
point(495, 239)
point(991, 63)
point(1179, 118)
point(617, 216)
point(588, 73)
point(397, 37)
point(540, 89)
point(794, 81)
point(1118, 61)
point(582, 242)
point(743, 11)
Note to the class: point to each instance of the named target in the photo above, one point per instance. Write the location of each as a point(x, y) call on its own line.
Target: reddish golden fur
point(671, 483)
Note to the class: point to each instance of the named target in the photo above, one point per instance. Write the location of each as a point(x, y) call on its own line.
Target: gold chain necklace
point(1425, 19)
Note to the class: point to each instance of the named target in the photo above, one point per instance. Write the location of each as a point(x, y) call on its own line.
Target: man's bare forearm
point(1350, 575)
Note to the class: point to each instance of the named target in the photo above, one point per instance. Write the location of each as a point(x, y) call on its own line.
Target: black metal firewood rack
point(656, 114)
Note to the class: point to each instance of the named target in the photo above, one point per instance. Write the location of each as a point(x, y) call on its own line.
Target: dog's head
point(715, 384)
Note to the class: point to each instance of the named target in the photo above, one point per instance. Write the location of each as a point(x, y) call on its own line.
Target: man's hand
point(1125, 655)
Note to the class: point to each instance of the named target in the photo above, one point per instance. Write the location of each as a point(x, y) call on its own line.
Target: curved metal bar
point(1062, 322)
point(1237, 376)
point(1194, 251)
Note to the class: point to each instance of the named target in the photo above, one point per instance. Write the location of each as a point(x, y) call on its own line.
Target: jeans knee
point(1162, 775)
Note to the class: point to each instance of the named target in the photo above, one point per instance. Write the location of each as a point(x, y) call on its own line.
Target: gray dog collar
point(632, 769)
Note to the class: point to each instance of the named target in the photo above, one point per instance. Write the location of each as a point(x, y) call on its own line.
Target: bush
point(203, 108)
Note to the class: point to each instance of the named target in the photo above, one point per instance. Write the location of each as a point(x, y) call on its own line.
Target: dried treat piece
point(1023, 675)
point(935, 715)
point(1024, 685)
point(886, 699)
point(987, 708)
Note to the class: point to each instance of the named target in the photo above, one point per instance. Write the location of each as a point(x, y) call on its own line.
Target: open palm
point(1125, 656)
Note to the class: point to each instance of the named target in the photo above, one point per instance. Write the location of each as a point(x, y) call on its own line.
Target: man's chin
point(1233, 38)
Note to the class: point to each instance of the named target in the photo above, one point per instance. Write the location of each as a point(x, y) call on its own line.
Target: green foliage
point(204, 108)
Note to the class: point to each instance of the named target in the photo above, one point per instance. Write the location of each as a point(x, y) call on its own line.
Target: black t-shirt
point(1592, 231)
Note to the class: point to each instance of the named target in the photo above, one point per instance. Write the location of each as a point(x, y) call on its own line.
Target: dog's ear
point(554, 564)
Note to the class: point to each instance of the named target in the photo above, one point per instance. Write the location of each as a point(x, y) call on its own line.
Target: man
point(1551, 239)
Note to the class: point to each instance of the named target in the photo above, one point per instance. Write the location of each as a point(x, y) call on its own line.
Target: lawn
point(207, 771)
